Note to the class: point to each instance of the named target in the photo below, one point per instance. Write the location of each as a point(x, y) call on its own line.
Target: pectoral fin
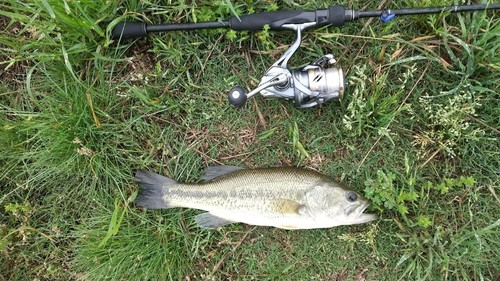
point(209, 221)
point(287, 206)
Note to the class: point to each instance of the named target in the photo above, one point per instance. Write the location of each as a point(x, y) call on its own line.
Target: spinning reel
point(311, 85)
point(307, 87)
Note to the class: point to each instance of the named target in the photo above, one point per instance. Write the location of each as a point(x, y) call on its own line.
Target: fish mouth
point(362, 217)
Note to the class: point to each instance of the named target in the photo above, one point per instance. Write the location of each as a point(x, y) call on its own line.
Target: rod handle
point(275, 20)
point(129, 30)
point(334, 15)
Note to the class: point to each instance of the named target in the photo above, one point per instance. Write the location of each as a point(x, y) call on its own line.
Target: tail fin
point(153, 190)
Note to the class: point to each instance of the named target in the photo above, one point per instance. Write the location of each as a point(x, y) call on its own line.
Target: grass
point(417, 133)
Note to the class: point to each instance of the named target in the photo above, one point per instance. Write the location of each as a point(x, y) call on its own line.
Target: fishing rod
point(307, 86)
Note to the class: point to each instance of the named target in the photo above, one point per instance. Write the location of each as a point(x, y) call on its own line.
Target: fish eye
point(351, 196)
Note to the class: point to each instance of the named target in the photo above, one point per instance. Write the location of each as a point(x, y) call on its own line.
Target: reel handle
point(237, 96)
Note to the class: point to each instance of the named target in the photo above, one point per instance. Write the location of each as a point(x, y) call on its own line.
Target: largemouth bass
point(288, 198)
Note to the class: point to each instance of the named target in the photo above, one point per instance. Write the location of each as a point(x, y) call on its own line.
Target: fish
point(281, 197)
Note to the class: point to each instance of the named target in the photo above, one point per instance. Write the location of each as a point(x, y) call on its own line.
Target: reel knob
point(237, 96)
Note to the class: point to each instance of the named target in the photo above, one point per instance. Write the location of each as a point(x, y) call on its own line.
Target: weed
point(145, 247)
point(293, 131)
point(448, 125)
point(426, 233)
point(417, 133)
point(374, 111)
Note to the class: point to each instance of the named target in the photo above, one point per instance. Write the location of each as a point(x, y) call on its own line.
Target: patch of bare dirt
point(141, 64)
point(233, 143)
point(342, 275)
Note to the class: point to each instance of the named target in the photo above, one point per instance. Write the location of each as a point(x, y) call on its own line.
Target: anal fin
point(209, 221)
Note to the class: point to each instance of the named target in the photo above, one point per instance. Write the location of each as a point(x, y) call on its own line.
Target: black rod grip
point(337, 15)
point(129, 30)
point(334, 15)
point(275, 20)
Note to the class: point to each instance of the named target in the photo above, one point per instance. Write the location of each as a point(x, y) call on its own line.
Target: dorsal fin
point(213, 172)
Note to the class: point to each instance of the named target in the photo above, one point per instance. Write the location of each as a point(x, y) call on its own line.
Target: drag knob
point(237, 96)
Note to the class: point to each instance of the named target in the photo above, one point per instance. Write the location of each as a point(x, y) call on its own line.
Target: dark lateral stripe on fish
point(289, 198)
point(185, 191)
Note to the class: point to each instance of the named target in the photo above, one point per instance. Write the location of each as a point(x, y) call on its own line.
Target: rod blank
point(335, 15)
point(430, 10)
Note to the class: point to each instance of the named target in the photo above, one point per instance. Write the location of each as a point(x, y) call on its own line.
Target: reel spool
point(307, 87)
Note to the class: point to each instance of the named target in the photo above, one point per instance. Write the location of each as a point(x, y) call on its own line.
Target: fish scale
point(284, 197)
point(223, 195)
point(251, 188)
